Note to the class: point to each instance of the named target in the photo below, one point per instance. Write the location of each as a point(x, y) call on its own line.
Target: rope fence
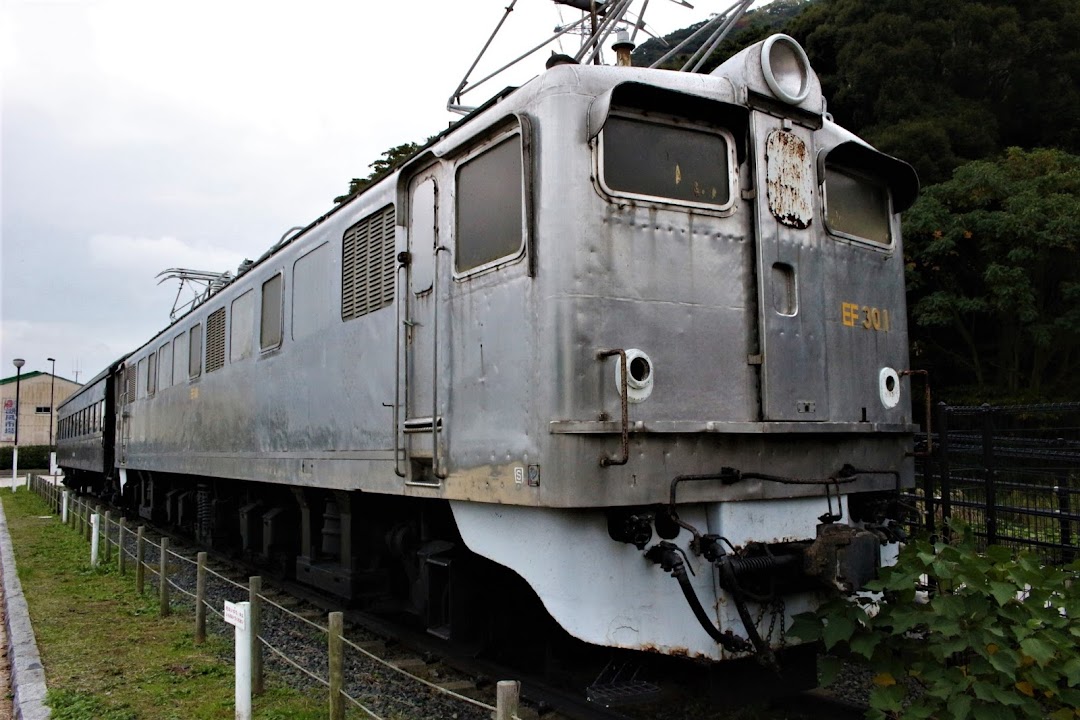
point(132, 544)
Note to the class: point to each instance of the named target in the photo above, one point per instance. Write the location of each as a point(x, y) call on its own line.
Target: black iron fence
point(1011, 473)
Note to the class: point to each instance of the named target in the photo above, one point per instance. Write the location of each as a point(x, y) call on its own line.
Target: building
point(35, 407)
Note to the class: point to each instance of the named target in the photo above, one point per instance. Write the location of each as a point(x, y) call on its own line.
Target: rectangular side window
point(151, 374)
point(195, 351)
point(270, 324)
point(242, 327)
point(312, 289)
point(215, 340)
point(367, 265)
point(180, 353)
point(165, 366)
point(490, 202)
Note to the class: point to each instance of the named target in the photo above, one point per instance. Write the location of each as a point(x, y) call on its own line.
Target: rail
point(173, 571)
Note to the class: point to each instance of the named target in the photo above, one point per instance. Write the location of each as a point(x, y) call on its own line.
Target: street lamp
point(18, 362)
point(52, 398)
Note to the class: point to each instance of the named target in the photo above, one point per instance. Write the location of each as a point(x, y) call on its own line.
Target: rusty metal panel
point(789, 179)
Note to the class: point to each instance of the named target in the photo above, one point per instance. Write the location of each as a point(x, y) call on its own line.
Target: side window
point(242, 327)
point(195, 351)
point(140, 379)
point(165, 365)
point(151, 374)
point(180, 353)
point(312, 289)
point(215, 340)
point(856, 206)
point(367, 265)
point(651, 160)
point(270, 324)
point(489, 203)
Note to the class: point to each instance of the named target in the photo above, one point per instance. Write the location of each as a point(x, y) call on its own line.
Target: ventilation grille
point(215, 340)
point(130, 383)
point(367, 265)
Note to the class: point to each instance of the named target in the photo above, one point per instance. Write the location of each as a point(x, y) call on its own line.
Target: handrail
point(624, 401)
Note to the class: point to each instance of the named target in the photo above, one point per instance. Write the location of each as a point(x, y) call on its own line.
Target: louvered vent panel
point(131, 380)
point(215, 340)
point(367, 265)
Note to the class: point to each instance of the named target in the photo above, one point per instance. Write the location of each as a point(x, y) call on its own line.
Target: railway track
point(398, 670)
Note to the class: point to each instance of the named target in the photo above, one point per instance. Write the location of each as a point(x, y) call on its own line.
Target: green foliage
point(939, 84)
point(753, 26)
point(993, 262)
point(31, 457)
point(387, 163)
point(998, 637)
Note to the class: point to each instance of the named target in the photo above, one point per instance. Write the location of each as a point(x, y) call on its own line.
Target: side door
point(423, 424)
point(790, 274)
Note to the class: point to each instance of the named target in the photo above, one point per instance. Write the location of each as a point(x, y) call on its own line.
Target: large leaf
point(1043, 652)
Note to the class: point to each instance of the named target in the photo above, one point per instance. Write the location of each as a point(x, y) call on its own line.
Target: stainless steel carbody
point(771, 343)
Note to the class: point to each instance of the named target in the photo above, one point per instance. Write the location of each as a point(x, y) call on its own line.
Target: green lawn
point(107, 654)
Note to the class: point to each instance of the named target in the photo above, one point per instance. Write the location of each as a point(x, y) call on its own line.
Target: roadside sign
point(236, 615)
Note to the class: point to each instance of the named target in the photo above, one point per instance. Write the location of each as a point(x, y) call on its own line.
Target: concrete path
point(23, 661)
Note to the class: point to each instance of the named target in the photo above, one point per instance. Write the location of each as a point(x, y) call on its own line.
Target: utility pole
point(52, 399)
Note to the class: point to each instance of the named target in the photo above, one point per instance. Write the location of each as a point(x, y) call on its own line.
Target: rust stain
point(789, 179)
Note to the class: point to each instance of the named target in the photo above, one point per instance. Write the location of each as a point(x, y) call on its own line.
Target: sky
point(141, 135)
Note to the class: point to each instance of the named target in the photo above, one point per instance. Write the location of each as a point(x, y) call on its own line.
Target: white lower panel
point(606, 592)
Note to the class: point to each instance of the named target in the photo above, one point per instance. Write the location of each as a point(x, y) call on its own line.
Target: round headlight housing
point(786, 69)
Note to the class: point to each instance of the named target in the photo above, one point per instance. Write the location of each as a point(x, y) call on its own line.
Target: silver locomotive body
point(600, 283)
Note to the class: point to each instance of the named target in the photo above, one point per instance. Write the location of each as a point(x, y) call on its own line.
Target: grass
point(107, 655)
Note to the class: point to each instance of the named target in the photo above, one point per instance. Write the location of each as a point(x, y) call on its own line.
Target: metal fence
point(1011, 473)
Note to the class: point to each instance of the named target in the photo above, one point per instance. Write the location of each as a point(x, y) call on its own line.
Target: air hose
point(668, 556)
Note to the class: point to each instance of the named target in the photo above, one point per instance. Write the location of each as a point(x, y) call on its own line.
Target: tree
point(940, 84)
point(993, 258)
point(387, 162)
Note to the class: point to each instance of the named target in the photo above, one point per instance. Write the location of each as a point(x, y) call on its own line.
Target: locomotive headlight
point(639, 376)
point(786, 69)
point(889, 387)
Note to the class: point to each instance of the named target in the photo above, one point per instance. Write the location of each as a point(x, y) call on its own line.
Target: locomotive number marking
point(869, 318)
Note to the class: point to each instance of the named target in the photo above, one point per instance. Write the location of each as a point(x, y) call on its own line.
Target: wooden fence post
point(200, 599)
point(507, 697)
point(121, 557)
point(163, 577)
point(337, 665)
point(108, 531)
point(254, 588)
point(140, 566)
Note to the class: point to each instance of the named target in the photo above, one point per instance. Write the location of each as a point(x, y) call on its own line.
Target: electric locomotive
point(630, 338)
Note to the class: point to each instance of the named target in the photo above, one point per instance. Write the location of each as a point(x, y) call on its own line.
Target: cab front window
point(652, 160)
point(857, 206)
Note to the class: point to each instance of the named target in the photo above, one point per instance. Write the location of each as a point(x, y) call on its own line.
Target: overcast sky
point(139, 135)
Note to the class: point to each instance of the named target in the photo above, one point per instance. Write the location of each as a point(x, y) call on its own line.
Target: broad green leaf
point(828, 668)
point(1002, 592)
point(1071, 671)
point(806, 626)
point(864, 644)
point(990, 711)
point(984, 691)
point(1042, 652)
point(838, 629)
point(887, 699)
point(959, 706)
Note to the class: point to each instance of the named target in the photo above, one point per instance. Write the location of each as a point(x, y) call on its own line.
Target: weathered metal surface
point(789, 179)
